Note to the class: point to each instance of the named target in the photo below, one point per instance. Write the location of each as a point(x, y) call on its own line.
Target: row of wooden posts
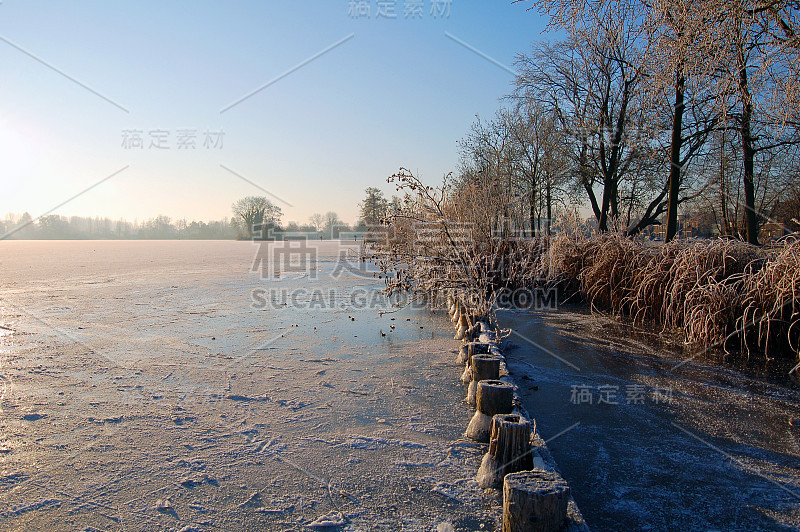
point(534, 499)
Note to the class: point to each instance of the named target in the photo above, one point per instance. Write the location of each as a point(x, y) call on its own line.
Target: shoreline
point(478, 332)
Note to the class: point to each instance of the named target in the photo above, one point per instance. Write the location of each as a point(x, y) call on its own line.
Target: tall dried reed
point(717, 292)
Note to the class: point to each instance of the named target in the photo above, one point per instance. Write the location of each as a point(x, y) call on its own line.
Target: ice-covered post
point(455, 313)
point(472, 348)
point(493, 397)
point(474, 329)
point(462, 326)
point(509, 450)
point(484, 368)
point(534, 501)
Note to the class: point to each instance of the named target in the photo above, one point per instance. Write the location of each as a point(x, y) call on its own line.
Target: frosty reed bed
point(718, 293)
point(713, 293)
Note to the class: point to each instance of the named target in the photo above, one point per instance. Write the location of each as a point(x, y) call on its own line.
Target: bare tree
point(756, 58)
point(746, 61)
point(539, 162)
point(333, 225)
point(254, 210)
point(317, 220)
point(591, 83)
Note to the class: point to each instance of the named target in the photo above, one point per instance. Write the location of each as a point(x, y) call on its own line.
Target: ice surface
point(138, 372)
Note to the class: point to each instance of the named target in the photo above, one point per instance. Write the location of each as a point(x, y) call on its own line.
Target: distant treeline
point(54, 227)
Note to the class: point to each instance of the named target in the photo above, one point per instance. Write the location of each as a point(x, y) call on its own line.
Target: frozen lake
point(157, 385)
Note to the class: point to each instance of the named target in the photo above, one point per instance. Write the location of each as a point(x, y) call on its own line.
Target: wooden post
point(509, 450)
point(493, 397)
point(484, 367)
point(466, 377)
point(510, 443)
point(466, 353)
point(477, 348)
point(475, 328)
point(456, 313)
point(534, 501)
point(471, 331)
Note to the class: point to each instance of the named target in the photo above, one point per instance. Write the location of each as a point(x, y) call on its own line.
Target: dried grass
point(717, 292)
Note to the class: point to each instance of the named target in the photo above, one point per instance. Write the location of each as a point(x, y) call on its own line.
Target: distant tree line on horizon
point(56, 227)
point(248, 212)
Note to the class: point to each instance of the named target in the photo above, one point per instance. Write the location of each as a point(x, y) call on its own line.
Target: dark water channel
point(653, 438)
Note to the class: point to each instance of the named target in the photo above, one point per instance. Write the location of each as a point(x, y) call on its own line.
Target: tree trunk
point(602, 223)
point(723, 185)
point(748, 155)
point(549, 207)
point(584, 176)
point(534, 501)
point(532, 215)
point(675, 156)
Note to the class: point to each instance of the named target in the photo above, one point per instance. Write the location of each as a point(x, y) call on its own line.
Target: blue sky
point(396, 92)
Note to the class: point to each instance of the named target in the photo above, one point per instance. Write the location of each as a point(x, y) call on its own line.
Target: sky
point(135, 109)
